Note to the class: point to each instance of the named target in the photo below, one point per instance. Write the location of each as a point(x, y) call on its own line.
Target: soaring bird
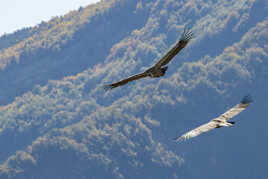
point(221, 121)
point(159, 69)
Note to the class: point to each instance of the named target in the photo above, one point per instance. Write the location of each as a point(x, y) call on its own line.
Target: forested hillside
point(56, 121)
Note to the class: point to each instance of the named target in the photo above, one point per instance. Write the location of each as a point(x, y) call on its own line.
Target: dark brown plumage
point(159, 68)
point(125, 81)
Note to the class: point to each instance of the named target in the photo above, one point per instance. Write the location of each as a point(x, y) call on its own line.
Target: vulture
point(221, 121)
point(159, 69)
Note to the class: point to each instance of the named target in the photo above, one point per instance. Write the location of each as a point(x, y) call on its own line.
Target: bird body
point(156, 72)
point(221, 121)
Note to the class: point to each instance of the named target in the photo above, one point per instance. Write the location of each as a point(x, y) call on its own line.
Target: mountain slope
point(71, 128)
point(64, 46)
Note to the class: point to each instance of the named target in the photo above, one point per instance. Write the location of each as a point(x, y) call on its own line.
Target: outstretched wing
point(185, 38)
point(125, 81)
point(197, 131)
point(244, 103)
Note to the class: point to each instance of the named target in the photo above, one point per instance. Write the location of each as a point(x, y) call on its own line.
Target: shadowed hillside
point(64, 46)
point(62, 124)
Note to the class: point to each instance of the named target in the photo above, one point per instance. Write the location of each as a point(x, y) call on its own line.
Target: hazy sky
point(15, 14)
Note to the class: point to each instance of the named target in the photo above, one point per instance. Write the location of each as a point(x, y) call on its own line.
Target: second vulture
point(221, 121)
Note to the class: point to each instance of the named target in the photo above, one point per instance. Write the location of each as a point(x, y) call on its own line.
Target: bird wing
point(197, 131)
point(185, 38)
point(244, 103)
point(125, 81)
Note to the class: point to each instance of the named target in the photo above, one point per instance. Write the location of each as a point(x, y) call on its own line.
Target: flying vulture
point(221, 121)
point(159, 69)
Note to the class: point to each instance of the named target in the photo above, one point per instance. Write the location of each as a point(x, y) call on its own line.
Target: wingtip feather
point(247, 99)
point(178, 139)
point(187, 35)
point(108, 87)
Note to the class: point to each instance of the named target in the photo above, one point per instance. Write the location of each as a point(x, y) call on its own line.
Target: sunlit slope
point(64, 45)
point(71, 127)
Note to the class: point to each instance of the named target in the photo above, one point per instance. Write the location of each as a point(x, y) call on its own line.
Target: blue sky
point(16, 14)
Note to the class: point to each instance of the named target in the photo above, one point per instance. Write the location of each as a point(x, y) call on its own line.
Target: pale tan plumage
point(221, 121)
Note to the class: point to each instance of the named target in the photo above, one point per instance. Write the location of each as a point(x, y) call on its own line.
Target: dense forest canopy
point(56, 121)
